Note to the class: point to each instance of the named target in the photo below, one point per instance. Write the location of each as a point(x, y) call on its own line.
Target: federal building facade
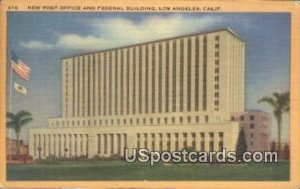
point(167, 94)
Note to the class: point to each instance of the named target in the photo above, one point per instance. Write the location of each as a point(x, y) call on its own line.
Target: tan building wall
point(189, 82)
point(108, 140)
point(194, 73)
point(257, 127)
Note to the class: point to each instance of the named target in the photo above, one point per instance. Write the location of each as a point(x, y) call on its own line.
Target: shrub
point(51, 159)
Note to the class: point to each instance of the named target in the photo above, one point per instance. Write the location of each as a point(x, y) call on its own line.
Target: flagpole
point(10, 92)
point(10, 97)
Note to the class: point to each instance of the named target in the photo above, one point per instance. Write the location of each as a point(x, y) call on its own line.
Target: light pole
point(39, 149)
point(66, 150)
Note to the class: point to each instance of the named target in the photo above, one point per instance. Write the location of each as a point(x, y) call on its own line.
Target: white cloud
point(107, 33)
point(36, 45)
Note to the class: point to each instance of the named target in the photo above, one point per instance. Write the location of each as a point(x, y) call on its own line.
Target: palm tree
point(280, 102)
point(16, 122)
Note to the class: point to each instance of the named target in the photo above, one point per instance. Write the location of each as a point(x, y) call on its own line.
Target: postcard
point(140, 94)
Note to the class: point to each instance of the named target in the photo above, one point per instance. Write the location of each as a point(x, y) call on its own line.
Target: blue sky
point(41, 39)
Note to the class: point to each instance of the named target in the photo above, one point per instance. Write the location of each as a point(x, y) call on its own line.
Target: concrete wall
point(108, 140)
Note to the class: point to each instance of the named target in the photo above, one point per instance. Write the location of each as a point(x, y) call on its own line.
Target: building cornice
point(155, 41)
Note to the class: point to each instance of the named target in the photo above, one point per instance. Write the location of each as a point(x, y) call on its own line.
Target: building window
point(197, 72)
point(160, 141)
point(197, 119)
point(176, 142)
point(144, 120)
point(181, 75)
point(217, 46)
point(217, 103)
point(137, 121)
point(160, 75)
point(217, 78)
point(145, 140)
point(242, 118)
point(216, 86)
point(138, 141)
point(252, 126)
point(221, 145)
point(151, 120)
point(167, 76)
point(153, 139)
point(217, 70)
point(217, 37)
point(189, 119)
point(169, 142)
point(211, 146)
point(251, 143)
point(158, 120)
point(251, 135)
point(232, 118)
point(124, 121)
point(206, 119)
point(173, 119)
point(166, 120)
point(216, 62)
point(252, 117)
point(204, 89)
point(153, 76)
point(185, 140)
point(217, 54)
point(181, 119)
point(221, 134)
point(216, 94)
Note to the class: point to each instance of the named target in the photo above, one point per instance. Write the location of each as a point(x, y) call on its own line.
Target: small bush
point(51, 159)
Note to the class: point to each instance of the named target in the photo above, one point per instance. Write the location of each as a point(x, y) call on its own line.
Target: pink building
point(257, 127)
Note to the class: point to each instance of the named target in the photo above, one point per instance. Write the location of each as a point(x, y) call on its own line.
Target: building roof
point(158, 40)
point(256, 110)
point(250, 111)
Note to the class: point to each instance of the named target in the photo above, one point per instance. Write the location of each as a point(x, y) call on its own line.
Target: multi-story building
point(256, 124)
point(166, 94)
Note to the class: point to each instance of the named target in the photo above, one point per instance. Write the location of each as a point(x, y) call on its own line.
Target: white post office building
point(167, 94)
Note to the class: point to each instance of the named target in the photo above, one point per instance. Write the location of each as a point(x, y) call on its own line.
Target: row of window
point(111, 139)
point(133, 65)
point(217, 48)
point(149, 139)
point(133, 121)
point(176, 135)
point(60, 144)
point(251, 118)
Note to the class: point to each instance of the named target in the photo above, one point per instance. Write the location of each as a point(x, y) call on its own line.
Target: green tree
point(16, 122)
point(241, 145)
point(280, 103)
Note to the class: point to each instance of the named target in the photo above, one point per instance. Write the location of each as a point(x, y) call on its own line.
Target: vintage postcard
point(150, 94)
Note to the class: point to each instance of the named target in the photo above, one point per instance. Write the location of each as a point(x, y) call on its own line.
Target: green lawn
point(116, 170)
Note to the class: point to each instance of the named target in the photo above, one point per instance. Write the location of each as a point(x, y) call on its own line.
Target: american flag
point(20, 68)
